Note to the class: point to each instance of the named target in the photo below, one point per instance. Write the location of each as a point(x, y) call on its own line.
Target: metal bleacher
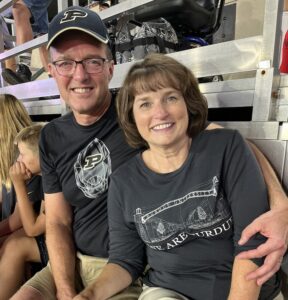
point(249, 64)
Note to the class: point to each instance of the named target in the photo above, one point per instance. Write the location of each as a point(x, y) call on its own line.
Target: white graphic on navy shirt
point(202, 213)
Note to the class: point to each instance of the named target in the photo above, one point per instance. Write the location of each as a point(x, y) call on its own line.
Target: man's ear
point(51, 70)
point(111, 69)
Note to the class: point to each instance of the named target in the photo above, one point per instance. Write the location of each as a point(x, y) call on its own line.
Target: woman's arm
point(240, 287)
point(126, 249)
point(112, 280)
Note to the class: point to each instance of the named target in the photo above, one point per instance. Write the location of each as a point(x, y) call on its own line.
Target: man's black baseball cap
point(77, 18)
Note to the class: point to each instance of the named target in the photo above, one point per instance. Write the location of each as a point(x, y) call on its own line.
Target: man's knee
point(28, 293)
point(157, 293)
point(40, 286)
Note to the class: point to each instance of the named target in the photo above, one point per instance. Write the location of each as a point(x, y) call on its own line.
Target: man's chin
point(84, 110)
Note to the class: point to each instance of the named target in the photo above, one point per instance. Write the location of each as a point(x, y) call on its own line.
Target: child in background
point(27, 244)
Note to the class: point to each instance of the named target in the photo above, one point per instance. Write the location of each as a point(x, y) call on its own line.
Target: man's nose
point(80, 72)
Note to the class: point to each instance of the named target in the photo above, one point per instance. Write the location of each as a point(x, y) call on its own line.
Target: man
point(78, 153)
point(31, 19)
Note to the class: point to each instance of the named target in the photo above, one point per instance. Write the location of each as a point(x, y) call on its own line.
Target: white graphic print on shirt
point(202, 213)
point(93, 168)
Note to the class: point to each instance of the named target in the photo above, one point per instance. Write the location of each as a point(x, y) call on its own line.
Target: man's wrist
point(278, 200)
point(67, 294)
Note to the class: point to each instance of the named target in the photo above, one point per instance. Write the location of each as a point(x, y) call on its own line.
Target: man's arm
point(112, 280)
point(277, 196)
point(127, 255)
point(273, 225)
point(60, 244)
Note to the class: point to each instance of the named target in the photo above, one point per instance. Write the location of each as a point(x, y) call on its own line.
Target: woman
point(181, 204)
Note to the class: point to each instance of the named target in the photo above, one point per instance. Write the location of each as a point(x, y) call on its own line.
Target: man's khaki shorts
point(157, 293)
point(88, 269)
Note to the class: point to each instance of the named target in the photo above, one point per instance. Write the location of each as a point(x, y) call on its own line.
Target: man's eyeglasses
point(66, 67)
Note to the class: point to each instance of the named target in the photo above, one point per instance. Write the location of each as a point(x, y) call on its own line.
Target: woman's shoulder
point(221, 134)
point(216, 140)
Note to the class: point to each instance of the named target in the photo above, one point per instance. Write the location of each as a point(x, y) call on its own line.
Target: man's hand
point(87, 294)
point(19, 173)
point(274, 226)
point(66, 294)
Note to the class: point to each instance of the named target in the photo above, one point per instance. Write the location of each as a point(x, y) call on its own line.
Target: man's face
point(84, 93)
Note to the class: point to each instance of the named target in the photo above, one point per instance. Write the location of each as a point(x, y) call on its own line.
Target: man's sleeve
point(49, 176)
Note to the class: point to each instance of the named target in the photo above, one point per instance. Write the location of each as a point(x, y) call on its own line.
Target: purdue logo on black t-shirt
point(92, 160)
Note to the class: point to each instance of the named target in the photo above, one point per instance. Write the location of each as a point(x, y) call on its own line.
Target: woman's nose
point(160, 110)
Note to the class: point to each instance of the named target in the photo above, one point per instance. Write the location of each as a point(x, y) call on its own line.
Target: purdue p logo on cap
point(77, 18)
point(71, 15)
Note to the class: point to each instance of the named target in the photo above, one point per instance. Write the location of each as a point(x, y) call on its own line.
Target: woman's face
point(161, 117)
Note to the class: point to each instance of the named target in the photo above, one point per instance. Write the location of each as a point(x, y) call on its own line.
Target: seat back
point(197, 17)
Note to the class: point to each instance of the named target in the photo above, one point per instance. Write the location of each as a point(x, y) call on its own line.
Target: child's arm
point(33, 223)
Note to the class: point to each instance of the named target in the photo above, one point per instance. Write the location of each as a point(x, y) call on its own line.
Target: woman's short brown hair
point(158, 71)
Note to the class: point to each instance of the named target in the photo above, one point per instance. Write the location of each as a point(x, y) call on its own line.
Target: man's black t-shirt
point(78, 160)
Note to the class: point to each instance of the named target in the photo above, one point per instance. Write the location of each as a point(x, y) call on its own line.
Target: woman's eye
point(145, 105)
point(172, 98)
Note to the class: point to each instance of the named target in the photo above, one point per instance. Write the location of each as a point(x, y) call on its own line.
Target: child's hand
point(19, 173)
